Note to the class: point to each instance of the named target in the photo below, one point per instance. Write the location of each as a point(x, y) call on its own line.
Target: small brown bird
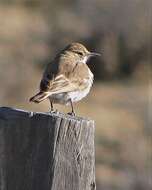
point(67, 78)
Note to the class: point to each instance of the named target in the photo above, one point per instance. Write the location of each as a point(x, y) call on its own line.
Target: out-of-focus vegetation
point(32, 31)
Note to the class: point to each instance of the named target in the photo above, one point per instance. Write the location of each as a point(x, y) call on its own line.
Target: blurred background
point(32, 32)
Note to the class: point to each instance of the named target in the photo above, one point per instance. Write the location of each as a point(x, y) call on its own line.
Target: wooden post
point(43, 151)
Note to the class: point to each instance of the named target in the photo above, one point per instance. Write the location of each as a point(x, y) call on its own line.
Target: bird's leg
point(51, 106)
point(52, 109)
point(72, 111)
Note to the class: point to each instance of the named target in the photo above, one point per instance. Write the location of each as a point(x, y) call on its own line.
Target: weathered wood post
point(42, 151)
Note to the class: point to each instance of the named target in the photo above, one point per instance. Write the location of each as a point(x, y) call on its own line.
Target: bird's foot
point(71, 113)
point(53, 111)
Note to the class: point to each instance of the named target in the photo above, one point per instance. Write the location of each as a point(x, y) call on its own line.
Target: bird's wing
point(66, 76)
point(59, 84)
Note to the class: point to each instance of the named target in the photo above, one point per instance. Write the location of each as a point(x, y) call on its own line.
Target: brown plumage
point(67, 78)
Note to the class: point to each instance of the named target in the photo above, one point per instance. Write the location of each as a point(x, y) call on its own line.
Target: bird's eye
point(80, 53)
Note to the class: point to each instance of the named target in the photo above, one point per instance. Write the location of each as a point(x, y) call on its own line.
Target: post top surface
point(8, 112)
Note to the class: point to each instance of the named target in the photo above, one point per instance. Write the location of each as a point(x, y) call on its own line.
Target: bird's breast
point(76, 96)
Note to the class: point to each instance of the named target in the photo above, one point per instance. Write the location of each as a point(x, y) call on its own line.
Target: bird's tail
point(39, 97)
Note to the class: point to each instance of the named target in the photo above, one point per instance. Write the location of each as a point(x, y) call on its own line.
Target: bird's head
point(80, 52)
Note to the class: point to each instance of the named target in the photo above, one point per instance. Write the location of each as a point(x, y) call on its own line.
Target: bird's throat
point(85, 59)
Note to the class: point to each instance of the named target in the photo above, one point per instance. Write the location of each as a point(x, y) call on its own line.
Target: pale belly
point(78, 95)
point(75, 96)
point(64, 98)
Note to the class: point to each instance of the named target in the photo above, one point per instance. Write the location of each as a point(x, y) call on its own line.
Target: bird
point(67, 78)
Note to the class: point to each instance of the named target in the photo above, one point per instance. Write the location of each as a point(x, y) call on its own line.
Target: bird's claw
point(71, 113)
point(53, 111)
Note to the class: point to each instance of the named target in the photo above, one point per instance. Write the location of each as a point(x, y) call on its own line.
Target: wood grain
point(43, 151)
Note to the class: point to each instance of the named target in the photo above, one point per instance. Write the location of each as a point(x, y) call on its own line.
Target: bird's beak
point(91, 54)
